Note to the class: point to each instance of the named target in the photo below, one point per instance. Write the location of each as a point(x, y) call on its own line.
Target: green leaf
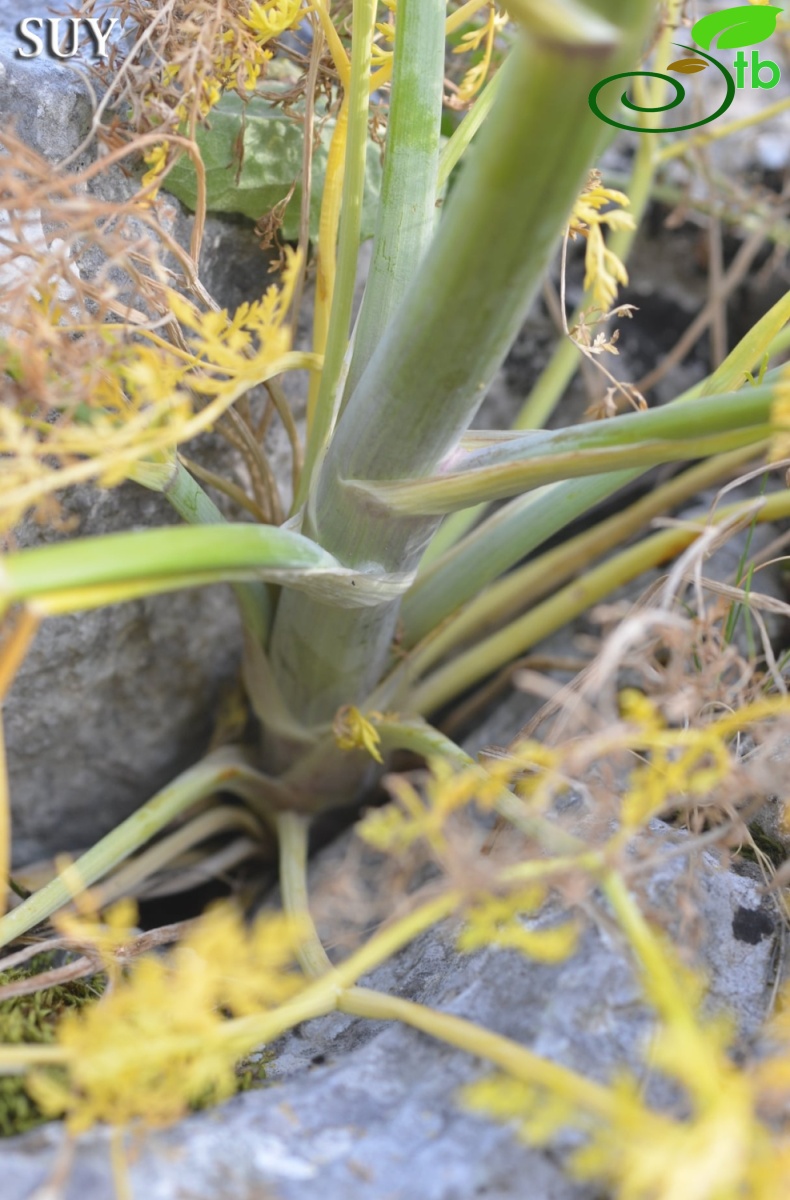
point(253, 157)
point(514, 463)
point(745, 25)
point(70, 576)
point(732, 373)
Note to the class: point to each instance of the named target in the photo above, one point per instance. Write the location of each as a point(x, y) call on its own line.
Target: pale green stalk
point(191, 502)
point(222, 819)
point(564, 362)
point(225, 770)
point(293, 832)
point(495, 652)
point(407, 206)
point(519, 462)
point(456, 146)
point(542, 575)
point(431, 368)
point(348, 241)
point(508, 535)
point(523, 524)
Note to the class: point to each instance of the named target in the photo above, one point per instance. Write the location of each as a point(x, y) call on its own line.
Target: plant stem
point(542, 575)
point(225, 770)
point(559, 371)
point(721, 130)
point(508, 643)
point(293, 830)
point(516, 1061)
point(419, 737)
point(523, 524)
point(430, 370)
point(115, 566)
point(326, 257)
point(666, 988)
point(348, 247)
point(407, 206)
point(191, 502)
point(454, 149)
point(515, 462)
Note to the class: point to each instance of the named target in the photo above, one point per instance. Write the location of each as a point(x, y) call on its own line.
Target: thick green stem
point(563, 364)
point(430, 371)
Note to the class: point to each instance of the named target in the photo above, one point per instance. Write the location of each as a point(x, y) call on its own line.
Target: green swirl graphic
point(680, 95)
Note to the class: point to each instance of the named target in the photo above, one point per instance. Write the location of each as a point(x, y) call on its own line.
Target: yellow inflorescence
point(158, 1042)
point(605, 272)
point(145, 396)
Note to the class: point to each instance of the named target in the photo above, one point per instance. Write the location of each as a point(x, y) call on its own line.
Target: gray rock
point(370, 1111)
point(109, 705)
point(46, 101)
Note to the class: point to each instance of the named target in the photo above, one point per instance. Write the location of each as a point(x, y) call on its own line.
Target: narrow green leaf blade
point(445, 494)
point(161, 560)
point(519, 462)
point(751, 349)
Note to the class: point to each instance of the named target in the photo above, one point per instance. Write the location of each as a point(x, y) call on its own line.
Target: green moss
point(33, 1020)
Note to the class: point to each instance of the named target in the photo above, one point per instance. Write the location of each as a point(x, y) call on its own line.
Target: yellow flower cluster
point(238, 348)
point(605, 272)
point(471, 42)
point(240, 57)
point(499, 921)
point(421, 814)
point(354, 731)
point(126, 401)
point(683, 763)
point(723, 1150)
point(162, 1039)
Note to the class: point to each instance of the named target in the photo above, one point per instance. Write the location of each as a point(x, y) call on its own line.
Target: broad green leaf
point(253, 157)
point(745, 25)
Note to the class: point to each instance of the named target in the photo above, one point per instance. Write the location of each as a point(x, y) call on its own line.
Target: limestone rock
point(109, 705)
point(370, 1111)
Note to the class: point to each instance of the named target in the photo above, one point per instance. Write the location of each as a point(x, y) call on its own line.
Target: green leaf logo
point(745, 25)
